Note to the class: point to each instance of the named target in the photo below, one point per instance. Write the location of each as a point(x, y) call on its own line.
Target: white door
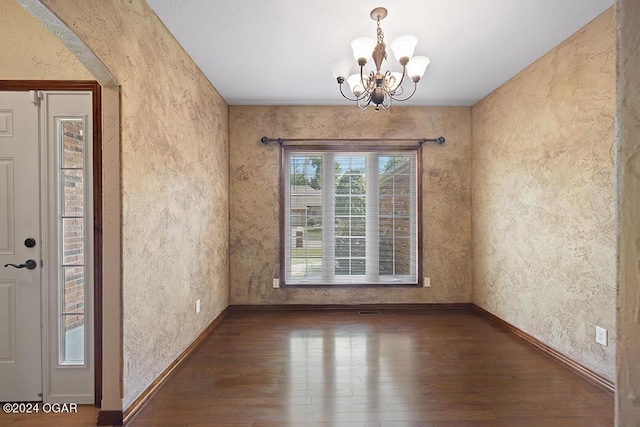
point(20, 241)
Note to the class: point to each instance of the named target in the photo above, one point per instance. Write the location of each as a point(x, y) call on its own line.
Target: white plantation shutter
point(350, 217)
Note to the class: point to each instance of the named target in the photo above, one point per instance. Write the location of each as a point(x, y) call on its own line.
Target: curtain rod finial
point(265, 140)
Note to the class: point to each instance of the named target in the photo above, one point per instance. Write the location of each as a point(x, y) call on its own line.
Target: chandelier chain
point(380, 33)
point(381, 37)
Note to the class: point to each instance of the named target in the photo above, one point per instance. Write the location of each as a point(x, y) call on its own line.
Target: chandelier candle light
point(377, 88)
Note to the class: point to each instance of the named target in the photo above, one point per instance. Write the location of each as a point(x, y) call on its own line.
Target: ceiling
point(278, 52)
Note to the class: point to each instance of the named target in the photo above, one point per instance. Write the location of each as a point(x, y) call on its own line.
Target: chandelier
point(377, 88)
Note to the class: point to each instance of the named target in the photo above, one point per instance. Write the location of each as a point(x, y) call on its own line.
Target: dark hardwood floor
point(399, 368)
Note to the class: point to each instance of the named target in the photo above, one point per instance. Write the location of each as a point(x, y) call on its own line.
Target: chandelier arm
point(387, 98)
point(404, 72)
point(415, 86)
point(363, 107)
point(350, 99)
point(366, 84)
point(386, 81)
point(399, 89)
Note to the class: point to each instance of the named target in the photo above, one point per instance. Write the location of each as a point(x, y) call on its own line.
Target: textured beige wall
point(28, 51)
point(254, 198)
point(174, 161)
point(628, 393)
point(544, 198)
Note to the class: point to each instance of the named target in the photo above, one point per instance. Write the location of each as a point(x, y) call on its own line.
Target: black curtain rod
point(265, 140)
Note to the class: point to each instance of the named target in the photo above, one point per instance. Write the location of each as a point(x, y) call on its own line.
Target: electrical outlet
point(426, 282)
point(601, 336)
point(197, 306)
point(276, 283)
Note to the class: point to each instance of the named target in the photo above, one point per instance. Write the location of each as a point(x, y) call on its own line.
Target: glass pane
point(386, 227)
point(73, 339)
point(342, 267)
point(342, 247)
point(314, 266)
point(296, 166)
point(313, 237)
point(342, 164)
point(315, 210)
point(314, 221)
point(73, 300)
point(314, 172)
point(297, 242)
point(386, 185)
point(386, 205)
point(386, 267)
point(401, 227)
point(342, 205)
point(358, 267)
point(357, 247)
point(298, 266)
point(402, 256)
point(382, 159)
point(401, 164)
point(402, 185)
point(343, 184)
point(342, 226)
point(305, 266)
point(358, 226)
point(313, 241)
point(401, 205)
point(386, 256)
point(297, 220)
point(72, 142)
point(358, 205)
point(392, 164)
point(305, 173)
point(358, 165)
point(358, 184)
point(73, 241)
point(73, 192)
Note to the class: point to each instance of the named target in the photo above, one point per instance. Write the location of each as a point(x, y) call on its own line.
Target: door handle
point(29, 265)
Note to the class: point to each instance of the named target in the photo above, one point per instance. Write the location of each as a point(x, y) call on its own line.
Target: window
point(350, 218)
point(72, 229)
